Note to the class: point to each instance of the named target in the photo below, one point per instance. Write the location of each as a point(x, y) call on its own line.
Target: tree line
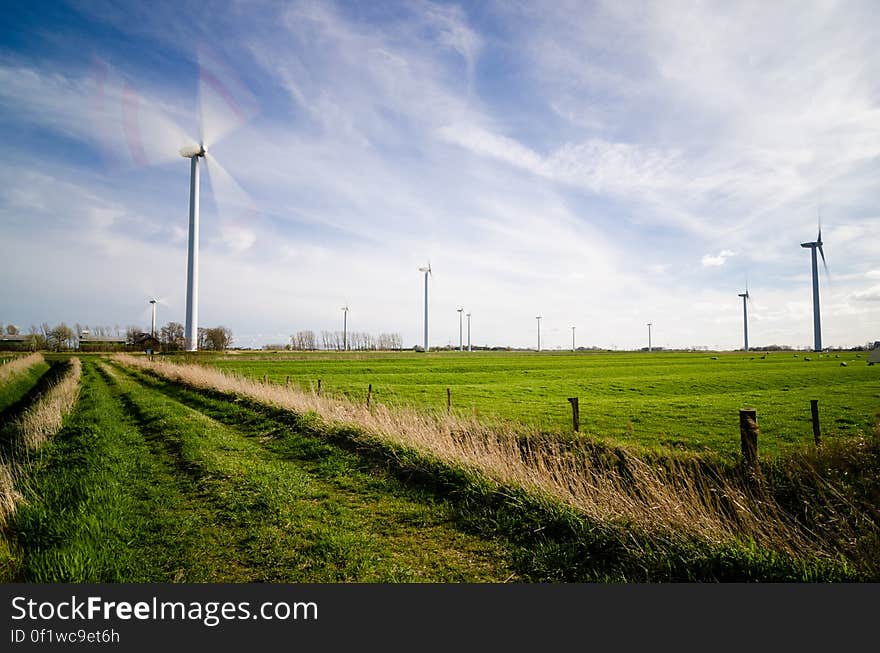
point(307, 340)
point(62, 337)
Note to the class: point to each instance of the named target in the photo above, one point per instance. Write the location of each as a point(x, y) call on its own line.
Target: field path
point(173, 486)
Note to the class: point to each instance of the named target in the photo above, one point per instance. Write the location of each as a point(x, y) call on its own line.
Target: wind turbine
point(222, 183)
point(427, 271)
point(538, 318)
point(649, 335)
point(460, 338)
point(151, 137)
point(153, 303)
point(469, 331)
point(745, 296)
point(572, 338)
point(817, 326)
point(345, 328)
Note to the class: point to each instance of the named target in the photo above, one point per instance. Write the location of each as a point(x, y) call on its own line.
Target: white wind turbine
point(817, 323)
point(226, 190)
point(745, 298)
point(427, 271)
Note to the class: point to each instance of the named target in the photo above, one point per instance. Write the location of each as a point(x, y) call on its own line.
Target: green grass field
point(688, 401)
point(153, 479)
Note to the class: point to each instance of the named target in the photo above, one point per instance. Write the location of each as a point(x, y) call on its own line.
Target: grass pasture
point(687, 401)
point(166, 473)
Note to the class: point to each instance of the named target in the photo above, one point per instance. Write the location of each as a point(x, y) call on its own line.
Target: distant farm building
point(89, 342)
point(16, 342)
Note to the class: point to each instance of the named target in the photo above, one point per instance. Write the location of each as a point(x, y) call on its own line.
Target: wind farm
point(574, 396)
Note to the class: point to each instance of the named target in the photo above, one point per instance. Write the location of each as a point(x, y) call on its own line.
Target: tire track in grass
point(104, 504)
point(303, 509)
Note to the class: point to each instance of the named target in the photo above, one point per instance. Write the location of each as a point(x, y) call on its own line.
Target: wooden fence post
point(265, 379)
point(448, 401)
point(748, 434)
point(319, 387)
point(369, 393)
point(575, 413)
point(814, 413)
point(287, 381)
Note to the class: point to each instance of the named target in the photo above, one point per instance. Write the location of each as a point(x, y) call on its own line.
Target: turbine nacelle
point(191, 151)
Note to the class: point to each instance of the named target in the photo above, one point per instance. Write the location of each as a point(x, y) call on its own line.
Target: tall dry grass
point(44, 417)
point(18, 365)
point(677, 497)
point(39, 421)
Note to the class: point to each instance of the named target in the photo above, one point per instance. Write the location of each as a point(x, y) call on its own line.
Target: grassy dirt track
point(148, 482)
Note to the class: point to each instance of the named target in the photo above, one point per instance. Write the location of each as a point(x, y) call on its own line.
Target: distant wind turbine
point(469, 331)
point(538, 318)
point(649, 335)
point(345, 328)
point(460, 334)
point(817, 326)
point(745, 296)
point(153, 303)
point(427, 271)
point(572, 338)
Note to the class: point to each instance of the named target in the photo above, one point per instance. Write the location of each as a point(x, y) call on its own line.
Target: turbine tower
point(649, 335)
point(191, 333)
point(427, 271)
point(572, 338)
point(469, 331)
point(538, 318)
point(153, 303)
point(345, 328)
point(817, 326)
point(745, 296)
point(460, 335)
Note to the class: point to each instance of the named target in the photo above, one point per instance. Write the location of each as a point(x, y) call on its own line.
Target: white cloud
point(716, 260)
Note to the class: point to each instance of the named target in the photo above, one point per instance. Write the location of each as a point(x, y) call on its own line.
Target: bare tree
point(172, 336)
point(218, 338)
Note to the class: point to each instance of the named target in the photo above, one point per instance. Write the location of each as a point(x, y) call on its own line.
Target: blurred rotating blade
point(224, 101)
point(232, 201)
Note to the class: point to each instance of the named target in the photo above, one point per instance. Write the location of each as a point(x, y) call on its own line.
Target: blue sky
point(603, 165)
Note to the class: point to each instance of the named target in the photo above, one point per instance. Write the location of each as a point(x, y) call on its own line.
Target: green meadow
point(687, 401)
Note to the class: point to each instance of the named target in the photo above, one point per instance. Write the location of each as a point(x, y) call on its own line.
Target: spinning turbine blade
point(224, 101)
point(229, 196)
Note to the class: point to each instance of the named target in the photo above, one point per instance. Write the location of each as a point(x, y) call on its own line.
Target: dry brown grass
point(677, 497)
point(18, 365)
point(43, 418)
point(40, 421)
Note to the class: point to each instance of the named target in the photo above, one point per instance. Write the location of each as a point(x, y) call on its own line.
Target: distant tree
point(131, 333)
point(61, 337)
point(218, 338)
point(172, 336)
